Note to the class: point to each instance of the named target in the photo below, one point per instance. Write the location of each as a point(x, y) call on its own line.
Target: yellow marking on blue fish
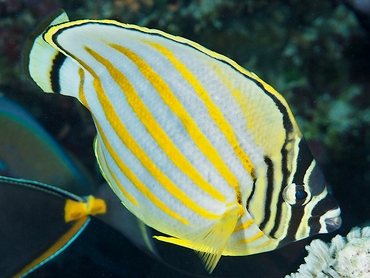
point(74, 210)
point(243, 226)
point(157, 132)
point(59, 244)
point(214, 112)
point(96, 206)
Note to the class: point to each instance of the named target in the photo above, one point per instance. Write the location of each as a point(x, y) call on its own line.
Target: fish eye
point(301, 194)
point(297, 195)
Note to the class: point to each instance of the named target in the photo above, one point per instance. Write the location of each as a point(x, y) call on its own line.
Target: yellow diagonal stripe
point(82, 98)
point(126, 171)
point(243, 226)
point(213, 110)
point(135, 181)
point(101, 159)
point(175, 105)
point(266, 243)
point(127, 139)
point(155, 130)
point(81, 93)
point(260, 234)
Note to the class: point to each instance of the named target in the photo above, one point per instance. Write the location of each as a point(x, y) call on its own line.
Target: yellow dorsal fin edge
point(210, 244)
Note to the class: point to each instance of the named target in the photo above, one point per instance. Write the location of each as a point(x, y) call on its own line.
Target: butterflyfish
point(193, 144)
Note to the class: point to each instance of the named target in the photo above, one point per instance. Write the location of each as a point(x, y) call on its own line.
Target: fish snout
point(333, 223)
point(330, 221)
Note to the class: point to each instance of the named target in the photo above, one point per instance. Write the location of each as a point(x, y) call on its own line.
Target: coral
point(344, 257)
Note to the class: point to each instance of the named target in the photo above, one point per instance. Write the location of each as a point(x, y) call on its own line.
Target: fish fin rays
point(146, 236)
point(210, 245)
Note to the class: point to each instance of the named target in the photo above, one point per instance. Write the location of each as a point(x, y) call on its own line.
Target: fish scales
point(193, 144)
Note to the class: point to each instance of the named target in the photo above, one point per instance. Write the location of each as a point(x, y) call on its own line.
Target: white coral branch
point(344, 257)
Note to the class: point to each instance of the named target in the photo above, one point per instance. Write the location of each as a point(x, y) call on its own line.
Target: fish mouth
point(330, 221)
point(333, 223)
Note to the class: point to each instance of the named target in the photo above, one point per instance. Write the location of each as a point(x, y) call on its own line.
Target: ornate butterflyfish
point(193, 144)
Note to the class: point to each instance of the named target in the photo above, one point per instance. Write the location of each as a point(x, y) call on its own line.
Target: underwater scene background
point(315, 53)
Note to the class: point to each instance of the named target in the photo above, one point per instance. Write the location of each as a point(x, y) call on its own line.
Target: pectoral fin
point(210, 245)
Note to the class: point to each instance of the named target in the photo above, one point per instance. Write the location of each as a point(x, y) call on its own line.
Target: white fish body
point(193, 145)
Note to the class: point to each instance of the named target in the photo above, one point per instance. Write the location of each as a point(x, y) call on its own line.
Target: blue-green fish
point(25, 139)
point(38, 222)
point(193, 144)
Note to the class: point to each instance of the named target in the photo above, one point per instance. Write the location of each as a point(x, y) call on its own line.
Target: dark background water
point(315, 53)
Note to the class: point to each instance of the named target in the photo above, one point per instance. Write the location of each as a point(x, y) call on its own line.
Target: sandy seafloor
point(315, 53)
